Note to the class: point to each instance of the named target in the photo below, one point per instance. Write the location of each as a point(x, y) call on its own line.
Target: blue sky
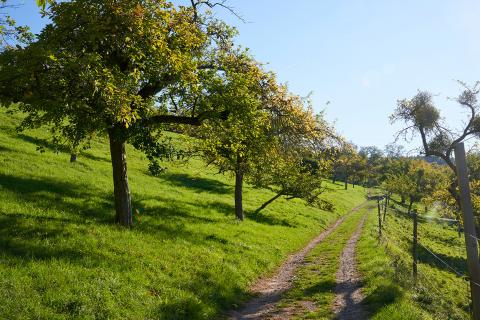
point(360, 55)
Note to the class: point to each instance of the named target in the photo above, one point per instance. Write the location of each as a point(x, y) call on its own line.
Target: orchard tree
point(234, 143)
point(301, 159)
point(418, 182)
point(374, 161)
point(122, 68)
point(422, 117)
point(264, 118)
point(346, 161)
point(394, 167)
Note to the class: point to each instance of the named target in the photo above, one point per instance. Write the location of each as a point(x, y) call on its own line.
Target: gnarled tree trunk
point(123, 201)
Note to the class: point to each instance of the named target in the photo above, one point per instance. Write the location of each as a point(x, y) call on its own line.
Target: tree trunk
point(73, 157)
point(346, 180)
point(410, 206)
point(123, 201)
point(239, 193)
point(263, 206)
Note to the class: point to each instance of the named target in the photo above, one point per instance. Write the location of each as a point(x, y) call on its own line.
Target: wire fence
point(432, 287)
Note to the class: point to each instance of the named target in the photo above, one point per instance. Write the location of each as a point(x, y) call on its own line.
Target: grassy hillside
point(186, 258)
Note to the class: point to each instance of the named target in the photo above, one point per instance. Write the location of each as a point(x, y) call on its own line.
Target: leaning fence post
point(469, 228)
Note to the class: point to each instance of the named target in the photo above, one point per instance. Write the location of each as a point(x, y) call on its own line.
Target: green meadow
point(187, 257)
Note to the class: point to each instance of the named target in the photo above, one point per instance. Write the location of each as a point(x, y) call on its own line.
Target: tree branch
point(212, 5)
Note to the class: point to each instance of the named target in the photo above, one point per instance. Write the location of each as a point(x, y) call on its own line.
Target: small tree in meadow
point(264, 117)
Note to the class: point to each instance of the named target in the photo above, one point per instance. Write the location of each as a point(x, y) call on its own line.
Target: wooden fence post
point(414, 247)
point(379, 220)
point(385, 204)
point(469, 228)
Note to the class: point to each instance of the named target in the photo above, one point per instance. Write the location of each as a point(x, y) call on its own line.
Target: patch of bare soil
point(349, 297)
point(269, 290)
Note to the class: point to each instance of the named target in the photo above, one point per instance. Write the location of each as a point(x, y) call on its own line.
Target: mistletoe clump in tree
point(120, 68)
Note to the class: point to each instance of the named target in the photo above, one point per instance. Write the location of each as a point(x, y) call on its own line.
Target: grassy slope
point(186, 258)
point(387, 271)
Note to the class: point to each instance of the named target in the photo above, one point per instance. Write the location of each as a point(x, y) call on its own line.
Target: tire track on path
point(348, 295)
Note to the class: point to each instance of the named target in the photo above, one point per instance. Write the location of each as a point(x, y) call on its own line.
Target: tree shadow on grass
point(457, 263)
point(59, 148)
point(383, 295)
point(5, 149)
point(31, 238)
point(199, 184)
point(263, 218)
point(81, 203)
point(50, 194)
point(42, 143)
point(321, 287)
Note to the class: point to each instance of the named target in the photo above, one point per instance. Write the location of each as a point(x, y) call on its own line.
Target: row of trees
point(128, 69)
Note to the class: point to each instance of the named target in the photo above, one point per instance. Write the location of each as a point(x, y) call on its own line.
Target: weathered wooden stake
point(414, 247)
point(385, 204)
point(379, 220)
point(469, 228)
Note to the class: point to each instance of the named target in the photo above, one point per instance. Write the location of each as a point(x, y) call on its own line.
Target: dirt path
point(348, 295)
point(269, 290)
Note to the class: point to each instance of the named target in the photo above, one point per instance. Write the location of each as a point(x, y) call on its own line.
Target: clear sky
point(361, 55)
